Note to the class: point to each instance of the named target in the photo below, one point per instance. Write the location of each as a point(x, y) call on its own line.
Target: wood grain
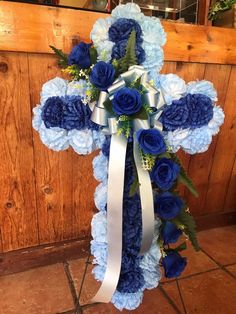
point(64, 180)
point(230, 200)
point(18, 214)
point(31, 28)
point(224, 153)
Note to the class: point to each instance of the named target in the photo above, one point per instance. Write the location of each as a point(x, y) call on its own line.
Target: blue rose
point(122, 28)
point(52, 113)
point(102, 75)
point(164, 173)
point(127, 101)
point(175, 116)
point(168, 205)
point(170, 233)
point(200, 110)
point(80, 55)
point(151, 141)
point(131, 281)
point(174, 264)
point(119, 50)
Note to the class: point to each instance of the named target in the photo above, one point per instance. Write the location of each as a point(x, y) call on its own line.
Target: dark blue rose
point(122, 28)
point(119, 49)
point(168, 205)
point(174, 264)
point(170, 233)
point(106, 146)
point(52, 113)
point(175, 116)
point(80, 55)
point(200, 110)
point(76, 114)
point(102, 75)
point(164, 173)
point(127, 101)
point(151, 141)
point(131, 281)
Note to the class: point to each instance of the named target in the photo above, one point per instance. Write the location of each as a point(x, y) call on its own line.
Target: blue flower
point(168, 205)
point(164, 173)
point(119, 49)
point(132, 208)
point(102, 75)
point(106, 146)
point(52, 112)
point(131, 281)
point(122, 29)
point(80, 55)
point(200, 110)
point(129, 262)
point(170, 233)
point(151, 141)
point(127, 101)
point(176, 115)
point(173, 264)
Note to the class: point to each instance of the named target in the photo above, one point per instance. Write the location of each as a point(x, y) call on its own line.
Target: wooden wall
point(47, 197)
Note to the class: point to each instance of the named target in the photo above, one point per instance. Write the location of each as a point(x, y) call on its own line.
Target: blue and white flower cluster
point(137, 273)
point(191, 139)
point(62, 119)
point(110, 36)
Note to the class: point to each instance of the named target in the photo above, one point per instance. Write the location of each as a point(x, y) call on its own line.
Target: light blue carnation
point(217, 120)
point(99, 251)
point(129, 301)
point(175, 138)
point(152, 278)
point(54, 87)
point(153, 32)
point(78, 88)
point(99, 272)
point(172, 86)
point(37, 118)
point(100, 164)
point(100, 196)
point(99, 227)
point(153, 57)
point(82, 141)
point(202, 87)
point(128, 11)
point(197, 141)
point(98, 139)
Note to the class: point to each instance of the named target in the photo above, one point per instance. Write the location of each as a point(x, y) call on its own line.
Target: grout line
point(71, 282)
point(190, 276)
point(228, 272)
point(181, 297)
point(77, 305)
point(170, 301)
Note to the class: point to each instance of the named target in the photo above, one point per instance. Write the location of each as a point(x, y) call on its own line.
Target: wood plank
point(31, 28)
point(224, 153)
point(215, 220)
point(64, 180)
point(230, 200)
point(201, 164)
point(23, 260)
point(18, 215)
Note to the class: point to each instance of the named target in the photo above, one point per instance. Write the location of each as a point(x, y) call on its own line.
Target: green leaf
point(142, 114)
point(130, 54)
point(186, 220)
point(184, 178)
point(63, 58)
point(93, 55)
point(108, 105)
point(134, 185)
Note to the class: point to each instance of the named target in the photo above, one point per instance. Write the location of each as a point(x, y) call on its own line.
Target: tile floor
point(207, 286)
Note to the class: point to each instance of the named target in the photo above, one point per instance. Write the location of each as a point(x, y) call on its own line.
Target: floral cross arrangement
point(117, 101)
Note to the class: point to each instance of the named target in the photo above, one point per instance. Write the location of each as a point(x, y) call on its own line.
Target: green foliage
point(184, 178)
point(142, 114)
point(93, 55)
point(186, 222)
point(135, 184)
point(219, 6)
point(63, 58)
point(129, 58)
point(179, 248)
point(108, 105)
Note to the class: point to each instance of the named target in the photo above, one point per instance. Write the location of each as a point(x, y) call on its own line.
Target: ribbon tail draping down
point(116, 174)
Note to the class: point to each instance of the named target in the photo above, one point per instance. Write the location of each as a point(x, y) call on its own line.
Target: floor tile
point(77, 269)
point(197, 262)
point(212, 292)
point(153, 303)
point(232, 269)
point(171, 289)
point(42, 290)
point(219, 244)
